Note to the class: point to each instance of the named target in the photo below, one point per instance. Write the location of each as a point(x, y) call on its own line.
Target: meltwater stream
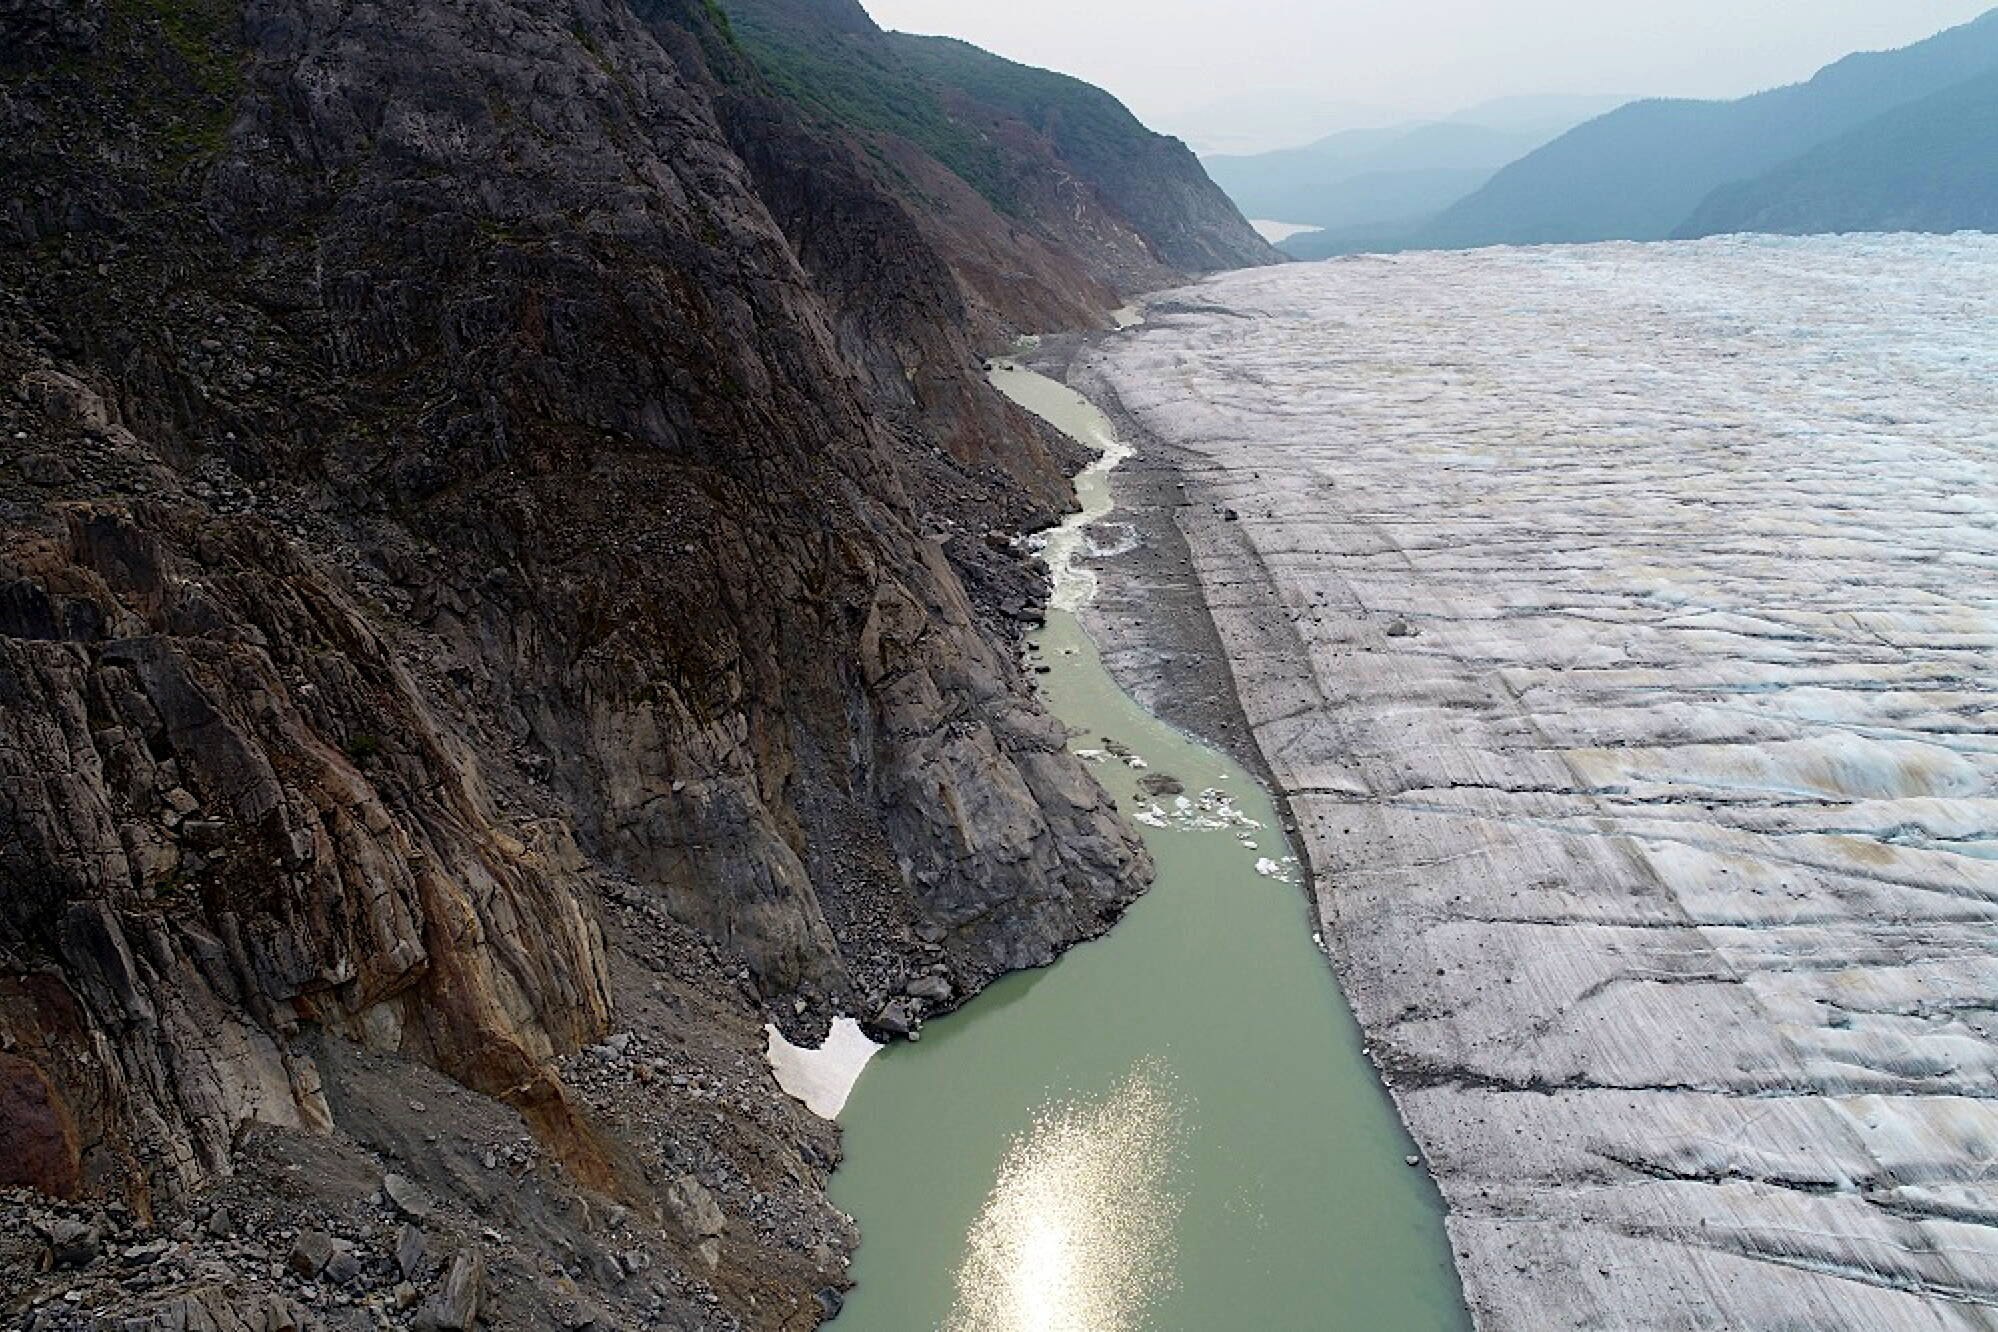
point(1174, 1128)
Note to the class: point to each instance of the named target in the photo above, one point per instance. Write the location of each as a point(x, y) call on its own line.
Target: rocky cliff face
point(487, 502)
point(1148, 186)
point(1047, 199)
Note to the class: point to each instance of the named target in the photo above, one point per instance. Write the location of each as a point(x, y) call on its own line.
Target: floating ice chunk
point(821, 1078)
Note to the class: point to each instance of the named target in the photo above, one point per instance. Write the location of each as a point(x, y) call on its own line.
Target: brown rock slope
point(487, 498)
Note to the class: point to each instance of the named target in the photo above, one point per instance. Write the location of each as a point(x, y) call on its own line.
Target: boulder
point(897, 1017)
point(407, 1198)
point(454, 1305)
point(343, 1270)
point(310, 1253)
point(409, 1249)
point(694, 1208)
point(74, 1244)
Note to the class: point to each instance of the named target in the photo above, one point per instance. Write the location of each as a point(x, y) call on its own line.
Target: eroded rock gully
point(469, 586)
point(1619, 624)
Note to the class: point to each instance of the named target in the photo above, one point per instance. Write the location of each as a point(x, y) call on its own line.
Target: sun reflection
point(1077, 1235)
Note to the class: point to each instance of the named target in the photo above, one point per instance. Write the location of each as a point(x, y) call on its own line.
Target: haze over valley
point(1879, 141)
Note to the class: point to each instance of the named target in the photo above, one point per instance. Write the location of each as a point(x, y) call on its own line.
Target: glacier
point(1620, 623)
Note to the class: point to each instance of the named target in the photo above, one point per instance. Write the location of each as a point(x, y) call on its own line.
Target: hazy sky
point(1167, 57)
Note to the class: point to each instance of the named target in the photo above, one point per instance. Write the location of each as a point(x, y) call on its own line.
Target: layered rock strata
point(503, 543)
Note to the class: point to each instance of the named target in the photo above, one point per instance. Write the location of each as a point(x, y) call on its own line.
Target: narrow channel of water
point(1171, 1130)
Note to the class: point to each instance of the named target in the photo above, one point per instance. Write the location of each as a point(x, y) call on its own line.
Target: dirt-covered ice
point(1623, 623)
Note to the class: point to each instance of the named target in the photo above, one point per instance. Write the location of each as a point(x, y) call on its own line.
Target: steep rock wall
point(436, 494)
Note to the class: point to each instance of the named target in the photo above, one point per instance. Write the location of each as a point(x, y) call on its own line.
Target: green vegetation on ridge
point(1065, 159)
point(1086, 123)
point(857, 80)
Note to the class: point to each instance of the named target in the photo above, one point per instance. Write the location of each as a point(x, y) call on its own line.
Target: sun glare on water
point(1077, 1235)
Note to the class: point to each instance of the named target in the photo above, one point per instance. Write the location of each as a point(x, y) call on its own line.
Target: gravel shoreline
point(1150, 618)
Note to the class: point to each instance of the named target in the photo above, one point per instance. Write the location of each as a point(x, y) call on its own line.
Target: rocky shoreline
point(1150, 617)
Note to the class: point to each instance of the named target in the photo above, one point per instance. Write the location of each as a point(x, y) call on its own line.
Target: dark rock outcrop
point(34, 29)
point(476, 557)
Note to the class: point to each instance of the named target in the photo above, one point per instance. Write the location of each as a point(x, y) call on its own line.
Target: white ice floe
point(821, 1078)
point(1284, 870)
point(1210, 811)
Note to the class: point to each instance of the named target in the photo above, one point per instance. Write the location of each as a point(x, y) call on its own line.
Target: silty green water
point(1171, 1130)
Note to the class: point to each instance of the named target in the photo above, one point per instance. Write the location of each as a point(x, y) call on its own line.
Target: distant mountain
point(1548, 113)
point(1268, 119)
point(1639, 173)
point(1928, 166)
point(1362, 176)
point(1398, 175)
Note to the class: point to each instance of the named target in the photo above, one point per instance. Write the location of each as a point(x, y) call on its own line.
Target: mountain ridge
point(1931, 165)
point(1062, 164)
point(1381, 181)
point(1640, 172)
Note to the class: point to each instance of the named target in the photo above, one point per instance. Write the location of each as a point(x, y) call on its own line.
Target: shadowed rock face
point(1618, 621)
point(1041, 192)
point(35, 28)
point(436, 492)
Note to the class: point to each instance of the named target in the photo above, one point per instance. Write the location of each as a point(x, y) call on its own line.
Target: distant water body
point(1276, 233)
